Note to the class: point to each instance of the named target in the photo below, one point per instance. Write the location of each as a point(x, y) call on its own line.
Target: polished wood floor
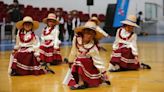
point(132, 81)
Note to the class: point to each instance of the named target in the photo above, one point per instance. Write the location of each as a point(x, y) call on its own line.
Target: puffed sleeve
point(16, 47)
point(35, 45)
point(73, 52)
point(97, 60)
point(115, 44)
point(36, 42)
point(57, 42)
point(134, 44)
point(42, 36)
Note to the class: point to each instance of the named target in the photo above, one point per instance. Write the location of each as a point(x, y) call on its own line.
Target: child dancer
point(96, 20)
point(125, 51)
point(50, 49)
point(84, 59)
point(26, 49)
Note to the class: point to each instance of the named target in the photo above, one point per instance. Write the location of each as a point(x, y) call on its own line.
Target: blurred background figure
point(75, 20)
point(61, 25)
point(139, 18)
point(140, 22)
point(69, 28)
point(15, 16)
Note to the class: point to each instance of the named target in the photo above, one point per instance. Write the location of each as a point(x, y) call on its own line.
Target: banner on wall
point(121, 12)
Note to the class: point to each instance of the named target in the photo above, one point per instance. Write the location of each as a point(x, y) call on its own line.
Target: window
point(150, 11)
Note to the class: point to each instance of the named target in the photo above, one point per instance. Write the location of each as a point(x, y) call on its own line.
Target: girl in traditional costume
point(50, 45)
point(125, 51)
point(84, 59)
point(26, 55)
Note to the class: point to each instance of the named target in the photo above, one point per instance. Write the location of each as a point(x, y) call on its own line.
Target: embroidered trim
point(45, 53)
point(118, 55)
point(81, 45)
point(127, 38)
point(25, 67)
point(49, 31)
point(22, 37)
point(91, 76)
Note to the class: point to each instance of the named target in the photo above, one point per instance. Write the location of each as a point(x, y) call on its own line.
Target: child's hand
point(14, 52)
point(38, 59)
point(136, 60)
point(105, 78)
point(70, 64)
point(55, 51)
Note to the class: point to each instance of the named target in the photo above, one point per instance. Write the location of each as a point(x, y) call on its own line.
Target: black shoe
point(13, 73)
point(79, 87)
point(118, 70)
point(66, 60)
point(145, 66)
point(43, 64)
point(50, 71)
point(73, 88)
point(108, 82)
point(82, 87)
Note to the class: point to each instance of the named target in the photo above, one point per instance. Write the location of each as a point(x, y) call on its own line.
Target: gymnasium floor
point(151, 51)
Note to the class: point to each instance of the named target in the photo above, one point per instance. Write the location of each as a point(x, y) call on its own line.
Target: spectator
point(140, 22)
point(61, 25)
point(139, 18)
point(69, 28)
point(75, 21)
point(15, 16)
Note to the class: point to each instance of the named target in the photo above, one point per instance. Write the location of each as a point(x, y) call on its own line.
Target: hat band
point(28, 21)
point(130, 21)
point(93, 28)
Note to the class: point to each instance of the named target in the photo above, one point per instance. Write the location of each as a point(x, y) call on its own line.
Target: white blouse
point(32, 45)
point(54, 36)
point(93, 52)
point(128, 41)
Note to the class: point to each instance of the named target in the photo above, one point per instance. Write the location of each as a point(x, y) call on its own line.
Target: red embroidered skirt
point(25, 63)
point(88, 72)
point(47, 55)
point(124, 58)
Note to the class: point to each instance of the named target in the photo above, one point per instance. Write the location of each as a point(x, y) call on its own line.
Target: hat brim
point(98, 35)
point(97, 21)
point(19, 25)
point(74, 12)
point(45, 20)
point(130, 23)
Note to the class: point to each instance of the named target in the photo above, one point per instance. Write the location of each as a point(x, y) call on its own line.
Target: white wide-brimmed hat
point(74, 12)
point(130, 20)
point(51, 16)
point(19, 24)
point(95, 19)
point(90, 25)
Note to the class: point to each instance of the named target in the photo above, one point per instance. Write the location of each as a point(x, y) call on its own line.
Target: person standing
point(15, 16)
point(75, 21)
point(61, 25)
point(69, 28)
